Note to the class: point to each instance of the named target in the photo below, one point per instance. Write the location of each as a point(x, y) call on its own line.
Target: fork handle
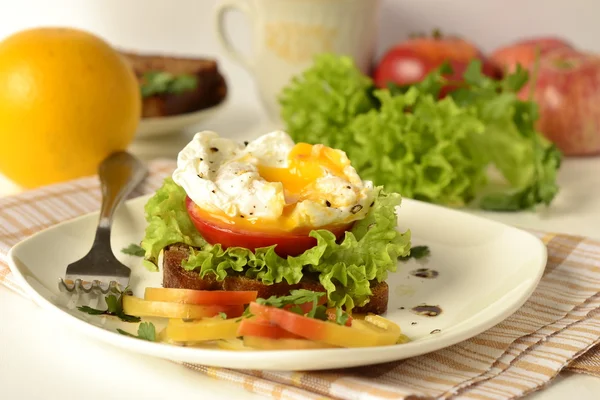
point(119, 174)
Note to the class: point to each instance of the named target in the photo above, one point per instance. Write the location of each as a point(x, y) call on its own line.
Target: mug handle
point(219, 22)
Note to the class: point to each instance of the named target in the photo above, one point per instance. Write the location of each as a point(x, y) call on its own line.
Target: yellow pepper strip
point(264, 343)
point(233, 344)
point(202, 330)
point(386, 331)
point(144, 308)
point(383, 323)
point(162, 335)
point(377, 323)
point(207, 297)
point(402, 339)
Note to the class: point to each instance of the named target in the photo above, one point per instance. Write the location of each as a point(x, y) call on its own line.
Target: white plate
point(487, 270)
point(150, 127)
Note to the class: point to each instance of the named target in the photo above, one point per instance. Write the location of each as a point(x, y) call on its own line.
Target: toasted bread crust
point(211, 89)
point(176, 277)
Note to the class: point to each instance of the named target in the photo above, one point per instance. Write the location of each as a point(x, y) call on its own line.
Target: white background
point(185, 26)
point(56, 363)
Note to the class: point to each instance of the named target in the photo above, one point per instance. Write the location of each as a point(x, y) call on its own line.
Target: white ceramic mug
point(287, 34)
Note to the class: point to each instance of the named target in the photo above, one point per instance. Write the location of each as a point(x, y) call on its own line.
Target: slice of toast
point(210, 91)
point(174, 276)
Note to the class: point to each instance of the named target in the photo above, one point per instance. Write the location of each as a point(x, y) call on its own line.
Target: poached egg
point(271, 184)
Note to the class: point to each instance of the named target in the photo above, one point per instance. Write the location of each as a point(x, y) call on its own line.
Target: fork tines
point(95, 286)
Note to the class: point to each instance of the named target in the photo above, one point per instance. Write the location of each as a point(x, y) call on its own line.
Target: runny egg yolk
point(306, 164)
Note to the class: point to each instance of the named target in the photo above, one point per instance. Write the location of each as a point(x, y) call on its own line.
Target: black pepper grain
point(241, 216)
point(425, 273)
point(372, 204)
point(413, 323)
point(327, 203)
point(214, 149)
point(245, 143)
point(356, 209)
point(213, 191)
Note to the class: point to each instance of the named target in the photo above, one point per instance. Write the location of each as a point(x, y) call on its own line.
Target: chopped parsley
point(300, 296)
point(296, 298)
point(417, 252)
point(134, 250)
point(146, 331)
point(114, 306)
point(161, 82)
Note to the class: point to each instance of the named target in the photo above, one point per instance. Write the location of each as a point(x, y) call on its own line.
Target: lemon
point(67, 100)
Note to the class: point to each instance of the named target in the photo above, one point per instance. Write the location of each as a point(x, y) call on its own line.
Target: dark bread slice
point(211, 89)
point(174, 276)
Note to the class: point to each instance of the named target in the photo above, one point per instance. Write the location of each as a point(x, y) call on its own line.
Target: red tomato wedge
point(263, 328)
point(323, 331)
point(206, 297)
point(288, 244)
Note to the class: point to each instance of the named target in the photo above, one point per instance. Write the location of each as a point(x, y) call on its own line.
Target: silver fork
point(99, 270)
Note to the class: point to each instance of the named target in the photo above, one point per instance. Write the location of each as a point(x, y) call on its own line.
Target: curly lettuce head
point(436, 150)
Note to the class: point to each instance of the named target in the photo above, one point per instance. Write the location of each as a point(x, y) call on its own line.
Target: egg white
point(221, 176)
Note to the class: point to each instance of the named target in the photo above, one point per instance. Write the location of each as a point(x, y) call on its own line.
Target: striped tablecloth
point(556, 329)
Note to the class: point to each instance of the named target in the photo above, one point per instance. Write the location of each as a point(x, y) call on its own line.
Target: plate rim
point(227, 358)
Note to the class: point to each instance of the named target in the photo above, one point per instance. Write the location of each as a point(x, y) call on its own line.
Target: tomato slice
point(306, 307)
point(263, 328)
point(145, 308)
point(323, 331)
point(264, 343)
point(202, 330)
point(208, 297)
point(288, 244)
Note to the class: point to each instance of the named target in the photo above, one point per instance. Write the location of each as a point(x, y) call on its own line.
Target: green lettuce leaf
point(420, 147)
point(526, 159)
point(168, 223)
point(318, 104)
point(368, 252)
point(437, 150)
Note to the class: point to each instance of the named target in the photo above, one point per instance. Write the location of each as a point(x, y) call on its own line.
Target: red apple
point(524, 52)
point(412, 59)
point(567, 91)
